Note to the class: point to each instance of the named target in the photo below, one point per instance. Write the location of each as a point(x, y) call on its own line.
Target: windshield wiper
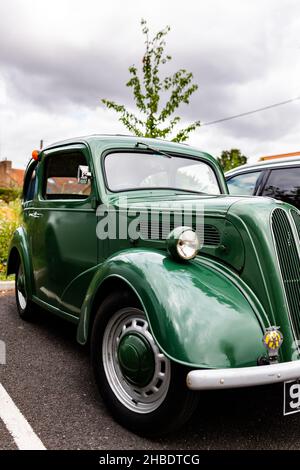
point(160, 152)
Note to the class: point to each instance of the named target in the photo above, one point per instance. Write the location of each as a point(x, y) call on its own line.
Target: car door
point(245, 183)
point(284, 184)
point(63, 229)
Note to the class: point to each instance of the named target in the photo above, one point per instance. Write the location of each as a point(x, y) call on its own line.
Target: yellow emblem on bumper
point(272, 340)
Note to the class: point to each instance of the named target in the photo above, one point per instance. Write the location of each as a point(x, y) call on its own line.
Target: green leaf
point(231, 158)
point(149, 88)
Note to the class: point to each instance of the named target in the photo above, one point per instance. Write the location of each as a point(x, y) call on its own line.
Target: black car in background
point(278, 178)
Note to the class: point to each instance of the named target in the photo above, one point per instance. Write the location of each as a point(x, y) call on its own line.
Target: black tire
point(177, 405)
point(26, 307)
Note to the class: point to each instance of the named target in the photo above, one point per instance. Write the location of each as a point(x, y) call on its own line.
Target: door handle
point(35, 214)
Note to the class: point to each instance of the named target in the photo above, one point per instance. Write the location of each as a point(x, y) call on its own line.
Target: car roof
point(96, 140)
point(117, 137)
point(276, 163)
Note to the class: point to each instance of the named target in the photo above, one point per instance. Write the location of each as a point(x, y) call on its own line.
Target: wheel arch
point(198, 316)
point(111, 284)
point(13, 261)
point(18, 251)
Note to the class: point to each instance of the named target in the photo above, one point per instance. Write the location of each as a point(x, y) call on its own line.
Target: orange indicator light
point(35, 154)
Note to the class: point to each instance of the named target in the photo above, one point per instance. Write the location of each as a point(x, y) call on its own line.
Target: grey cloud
point(56, 74)
point(83, 78)
point(77, 80)
point(52, 75)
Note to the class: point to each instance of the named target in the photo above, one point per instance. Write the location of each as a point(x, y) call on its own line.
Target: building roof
point(281, 155)
point(10, 177)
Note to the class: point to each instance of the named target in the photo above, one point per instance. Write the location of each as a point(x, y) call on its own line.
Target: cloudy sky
point(58, 58)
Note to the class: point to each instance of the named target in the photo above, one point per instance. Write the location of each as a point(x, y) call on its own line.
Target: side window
point(243, 184)
point(284, 184)
point(30, 184)
point(60, 176)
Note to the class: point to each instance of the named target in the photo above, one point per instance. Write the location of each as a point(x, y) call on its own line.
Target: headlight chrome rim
point(179, 238)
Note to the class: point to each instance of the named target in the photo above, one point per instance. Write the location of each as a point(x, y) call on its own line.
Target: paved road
point(48, 376)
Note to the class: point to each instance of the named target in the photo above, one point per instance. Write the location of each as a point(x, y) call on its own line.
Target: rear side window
point(284, 184)
point(31, 188)
point(243, 184)
point(60, 177)
point(30, 181)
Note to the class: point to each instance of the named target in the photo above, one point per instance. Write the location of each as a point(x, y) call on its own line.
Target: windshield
point(128, 170)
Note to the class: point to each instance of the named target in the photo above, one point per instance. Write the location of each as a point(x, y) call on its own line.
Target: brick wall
point(10, 177)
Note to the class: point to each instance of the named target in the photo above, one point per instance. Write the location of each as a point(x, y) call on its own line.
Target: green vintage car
point(177, 286)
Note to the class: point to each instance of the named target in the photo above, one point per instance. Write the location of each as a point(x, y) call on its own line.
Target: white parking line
point(21, 431)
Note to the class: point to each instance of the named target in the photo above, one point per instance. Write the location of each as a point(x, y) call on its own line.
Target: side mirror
point(83, 174)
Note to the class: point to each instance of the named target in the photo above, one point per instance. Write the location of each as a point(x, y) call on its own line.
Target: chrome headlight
point(183, 243)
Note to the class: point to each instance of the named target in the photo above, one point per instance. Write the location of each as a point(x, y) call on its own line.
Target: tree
point(153, 120)
point(231, 158)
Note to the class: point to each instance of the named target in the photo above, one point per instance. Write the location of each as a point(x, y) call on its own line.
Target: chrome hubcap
point(137, 372)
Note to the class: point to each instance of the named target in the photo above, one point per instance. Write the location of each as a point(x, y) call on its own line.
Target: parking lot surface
point(47, 375)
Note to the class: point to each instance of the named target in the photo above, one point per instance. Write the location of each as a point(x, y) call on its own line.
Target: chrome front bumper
point(211, 379)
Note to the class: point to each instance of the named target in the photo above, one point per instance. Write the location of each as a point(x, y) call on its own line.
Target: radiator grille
point(211, 235)
point(289, 264)
point(296, 218)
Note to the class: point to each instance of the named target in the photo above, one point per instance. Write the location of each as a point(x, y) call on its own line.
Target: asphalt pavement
point(48, 376)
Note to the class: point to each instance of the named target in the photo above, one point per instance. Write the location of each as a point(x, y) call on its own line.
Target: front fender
point(19, 248)
point(197, 314)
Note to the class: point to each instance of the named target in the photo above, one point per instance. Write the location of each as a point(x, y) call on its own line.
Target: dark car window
point(243, 184)
point(60, 180)
point(284, 184)
point(30, 180)
point(31, 188)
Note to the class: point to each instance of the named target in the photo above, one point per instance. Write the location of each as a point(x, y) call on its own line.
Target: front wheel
point(24, 305)
point(144, 390)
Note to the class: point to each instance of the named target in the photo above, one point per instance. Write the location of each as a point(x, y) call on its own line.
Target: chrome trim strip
point(264, 165)
point(212, 379)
